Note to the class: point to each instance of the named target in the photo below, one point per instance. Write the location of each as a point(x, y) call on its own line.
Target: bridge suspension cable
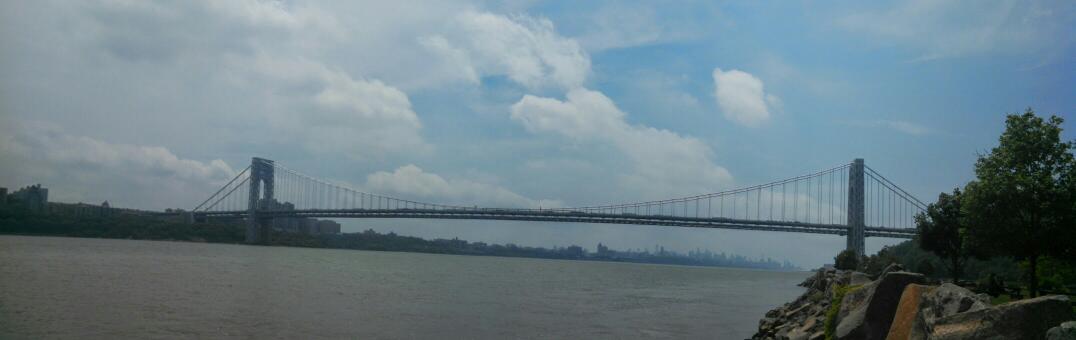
point(217, 197)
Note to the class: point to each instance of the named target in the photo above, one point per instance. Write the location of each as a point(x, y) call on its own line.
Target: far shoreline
point(408, 252)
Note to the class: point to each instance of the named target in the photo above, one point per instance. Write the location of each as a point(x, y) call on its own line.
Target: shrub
point(846, 260)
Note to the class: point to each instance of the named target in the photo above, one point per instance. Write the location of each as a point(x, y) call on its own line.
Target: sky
point(155, 105)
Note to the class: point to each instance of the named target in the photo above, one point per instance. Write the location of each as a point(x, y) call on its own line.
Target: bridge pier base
point(253, 232)
point(258, 231)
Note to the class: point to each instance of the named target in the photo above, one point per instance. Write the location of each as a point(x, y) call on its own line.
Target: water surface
point(78, 288)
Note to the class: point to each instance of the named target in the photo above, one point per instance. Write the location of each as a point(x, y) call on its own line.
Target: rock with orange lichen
point(899, 305)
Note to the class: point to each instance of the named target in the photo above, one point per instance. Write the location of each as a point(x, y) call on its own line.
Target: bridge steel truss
point(851, 200)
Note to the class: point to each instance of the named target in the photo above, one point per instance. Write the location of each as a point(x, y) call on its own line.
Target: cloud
point(339, 113)
point(159, 32)
point(411, 181)
point(525, 49)
point(456, 61)
point(261, 53)
point(742, 98)
point(601, 26)
point(663, 163)
point(80, 168)
point(613, 27)
point(369, 99)
point(946, 29)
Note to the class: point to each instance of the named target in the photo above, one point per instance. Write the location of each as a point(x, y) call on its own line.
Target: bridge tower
point(261, 172)
point(856, 208)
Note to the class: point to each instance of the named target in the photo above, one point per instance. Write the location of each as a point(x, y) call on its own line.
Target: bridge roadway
point(568, 216)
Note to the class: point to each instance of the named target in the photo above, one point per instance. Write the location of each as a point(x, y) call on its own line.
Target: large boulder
point(921, 306)
point(948, 299)
point(857, 279)
point(1066, 331)
point(905, 320)
point(867, 312)
point(822, 279)
point(892, 267)
point(900, 305)
point(1024, 319)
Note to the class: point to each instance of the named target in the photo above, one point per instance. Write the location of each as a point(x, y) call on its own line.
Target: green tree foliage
point(846, 260)
point(925, 267)
point(1021, 203)
point(943, 231)
point(1057, 276)
point(875, 264)
point(911, 255)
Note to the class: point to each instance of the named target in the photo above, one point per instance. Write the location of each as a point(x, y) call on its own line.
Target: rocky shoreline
point(903, 305)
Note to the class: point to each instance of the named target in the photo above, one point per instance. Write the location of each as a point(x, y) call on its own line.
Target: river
point(54, 287)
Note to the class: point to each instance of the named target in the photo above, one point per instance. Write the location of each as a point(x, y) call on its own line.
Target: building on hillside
point(304, 225)
point(328, 227)
point(80, 209)
point(34, 197)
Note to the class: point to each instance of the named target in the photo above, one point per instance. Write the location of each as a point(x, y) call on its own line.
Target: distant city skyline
point(521, 104)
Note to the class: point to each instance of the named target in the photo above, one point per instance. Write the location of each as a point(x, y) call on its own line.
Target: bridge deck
point(570, 216)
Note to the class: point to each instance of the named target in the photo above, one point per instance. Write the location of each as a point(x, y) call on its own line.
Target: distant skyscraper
point(34, 197)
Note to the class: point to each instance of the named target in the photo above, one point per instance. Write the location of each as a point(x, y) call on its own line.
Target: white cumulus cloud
point(663, 163)
point(525, 49)
point(742, 98)
point(80, 168)
point(412, 182)
point(334, 112)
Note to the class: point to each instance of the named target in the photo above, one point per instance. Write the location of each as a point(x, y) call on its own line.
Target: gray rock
point(905, 323)
point(803, 317)
point(868, 312)
point(1024, 319)
point(948, 299)
point(793, 312)
point(921, 306)
point(820, 279)
point(858, 278)
point(892, 267)
point(1066, 331)
point(798, 334)
point(893, 306)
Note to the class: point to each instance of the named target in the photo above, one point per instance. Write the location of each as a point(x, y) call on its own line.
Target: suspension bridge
point(850, 199)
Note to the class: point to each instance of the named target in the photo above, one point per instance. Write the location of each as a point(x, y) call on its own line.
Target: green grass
point(835, 308)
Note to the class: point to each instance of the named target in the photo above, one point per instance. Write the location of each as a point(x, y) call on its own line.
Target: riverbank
point(904, 305)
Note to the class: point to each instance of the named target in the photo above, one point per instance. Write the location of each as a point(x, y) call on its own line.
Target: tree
point(943, 231)
point(846, 260)
point(925, 267)
point(1021, 203)
point(875, 264)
